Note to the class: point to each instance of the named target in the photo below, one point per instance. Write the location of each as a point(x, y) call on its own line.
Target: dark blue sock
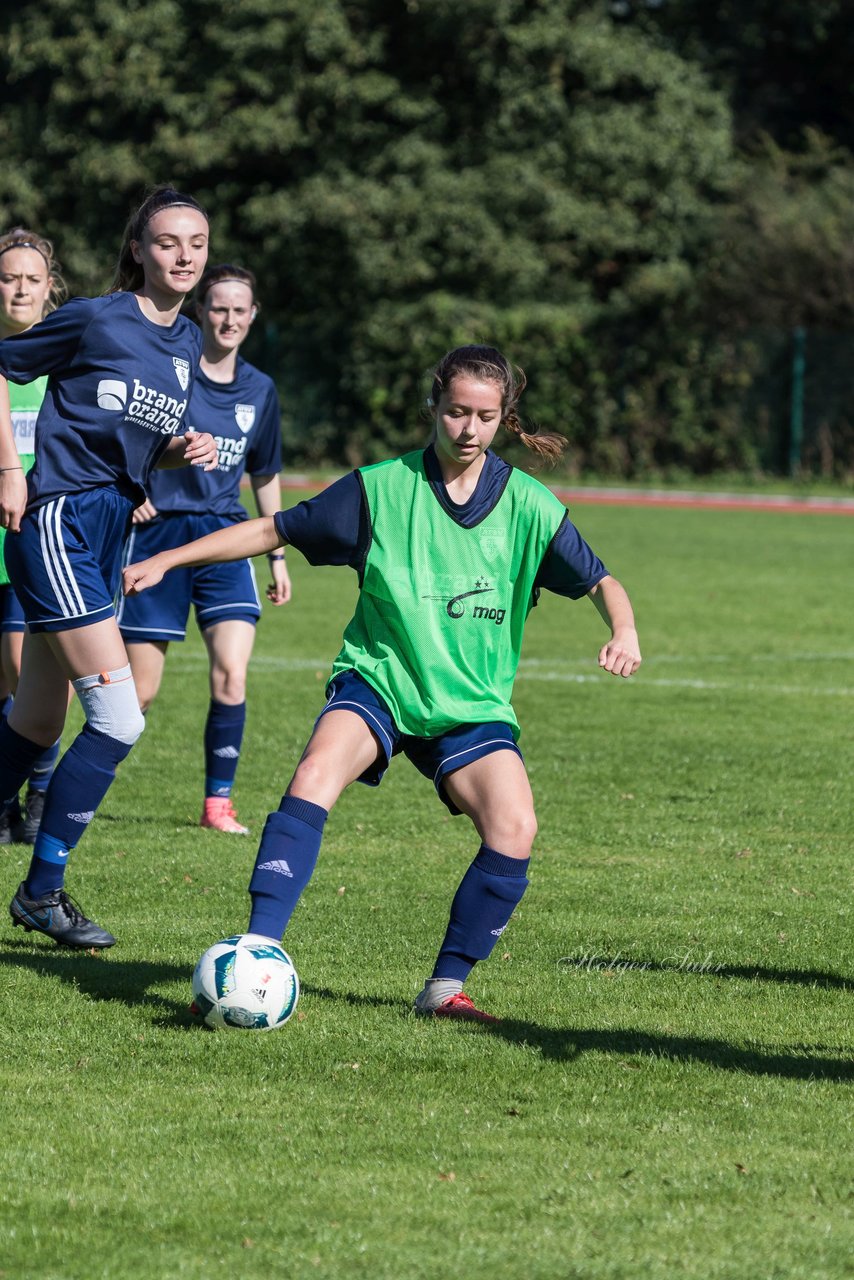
point(488, 895)
point(43, 768)
point(223, 738)
point(79, 784)
point(17, 757)
point(6, 706)
point(283, 867)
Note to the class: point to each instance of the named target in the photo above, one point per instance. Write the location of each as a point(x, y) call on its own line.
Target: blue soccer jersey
point(118, 389)
point(243, 417)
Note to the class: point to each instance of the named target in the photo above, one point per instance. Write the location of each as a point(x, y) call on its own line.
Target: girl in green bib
point(30, 287)
point(452, 546)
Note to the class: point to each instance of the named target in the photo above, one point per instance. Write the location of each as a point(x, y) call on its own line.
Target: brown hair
point(488, 365)
point(129, 274)
point(219, 274)
point(21, 238)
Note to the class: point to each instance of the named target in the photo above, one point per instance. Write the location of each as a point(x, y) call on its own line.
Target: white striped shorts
point(66, 562)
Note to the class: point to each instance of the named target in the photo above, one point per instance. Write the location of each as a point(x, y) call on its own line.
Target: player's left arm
point(268, 499)
point(13, 486)
point(621, 655)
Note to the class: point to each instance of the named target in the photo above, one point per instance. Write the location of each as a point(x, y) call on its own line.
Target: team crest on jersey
point(182, 369)
point(244, 416)
point(492, 544)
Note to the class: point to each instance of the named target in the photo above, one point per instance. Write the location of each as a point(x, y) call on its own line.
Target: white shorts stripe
point(476, 746)
point(363, 712)
point(78, 603)
point(56, 562)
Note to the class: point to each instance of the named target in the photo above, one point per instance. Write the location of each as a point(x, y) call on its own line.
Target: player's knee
point(229, 685)
point(308, 777)
point(110, 703)
point(516, 833)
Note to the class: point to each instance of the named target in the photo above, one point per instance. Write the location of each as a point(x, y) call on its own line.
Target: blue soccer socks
point(284, 864)
point(79, 784)
point(18, 755)
point(223, 739)
point(43, 768)
point(488, 895)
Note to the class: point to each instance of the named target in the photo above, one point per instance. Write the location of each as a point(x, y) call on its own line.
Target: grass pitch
point(669, 1094)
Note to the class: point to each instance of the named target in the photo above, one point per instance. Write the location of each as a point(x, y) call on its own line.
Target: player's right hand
point(144, 512)
point(13, 499)
point(137, 578)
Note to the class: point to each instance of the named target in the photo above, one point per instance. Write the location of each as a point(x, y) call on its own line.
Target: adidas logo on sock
point(227, 753)
point(279, 867)
point(81, 817)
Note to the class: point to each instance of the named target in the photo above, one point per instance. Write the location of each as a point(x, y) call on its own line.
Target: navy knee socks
point(489, 893)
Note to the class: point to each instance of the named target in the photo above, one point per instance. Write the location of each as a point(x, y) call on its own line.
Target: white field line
point(540, 670)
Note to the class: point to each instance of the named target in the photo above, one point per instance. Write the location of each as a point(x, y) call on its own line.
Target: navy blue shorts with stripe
point(217, 592)
point(434, 757)
point(65, 564)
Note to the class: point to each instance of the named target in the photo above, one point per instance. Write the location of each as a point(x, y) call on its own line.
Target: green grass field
point(669, 1094)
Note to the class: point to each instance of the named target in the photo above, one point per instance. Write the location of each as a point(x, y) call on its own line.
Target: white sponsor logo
point(182, 369)
point(112, 394)
point(81, 817)
point(227, 753)
point(229, 452)
point(244, 416)
point(154, 410)
point(496, 933)
point(280, 867)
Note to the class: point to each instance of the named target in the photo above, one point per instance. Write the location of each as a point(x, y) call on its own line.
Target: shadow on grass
point(595, 962)
point(99, 977)
point(127, 981)
point(793, 1062)
point(564, 1044)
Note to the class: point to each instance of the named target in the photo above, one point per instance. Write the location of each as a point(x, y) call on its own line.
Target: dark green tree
point(403, 177)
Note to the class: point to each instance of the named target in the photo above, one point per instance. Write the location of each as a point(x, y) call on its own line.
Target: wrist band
point(271, 557)
point(3, 470)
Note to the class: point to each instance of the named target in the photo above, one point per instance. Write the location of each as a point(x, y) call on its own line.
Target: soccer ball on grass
point(246, 981)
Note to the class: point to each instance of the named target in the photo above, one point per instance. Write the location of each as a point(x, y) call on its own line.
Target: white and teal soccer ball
point(246, 981)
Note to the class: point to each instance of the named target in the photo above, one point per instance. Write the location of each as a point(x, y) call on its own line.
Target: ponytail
point(487, 364)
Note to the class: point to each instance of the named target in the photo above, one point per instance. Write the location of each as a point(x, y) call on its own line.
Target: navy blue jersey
point(117, 391)
point(334, 527)
point(243, 417)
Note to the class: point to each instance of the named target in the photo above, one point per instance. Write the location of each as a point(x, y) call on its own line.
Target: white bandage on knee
point(110, 703)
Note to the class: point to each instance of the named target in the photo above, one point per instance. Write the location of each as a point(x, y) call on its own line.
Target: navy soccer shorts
point(434, 757)
point(217, 592)
point(65, 564)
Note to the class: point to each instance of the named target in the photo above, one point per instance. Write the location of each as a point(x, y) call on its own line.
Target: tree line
point(625, 196)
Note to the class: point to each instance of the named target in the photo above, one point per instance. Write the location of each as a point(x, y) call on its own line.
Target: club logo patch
point(492, 544)
point(244, 416)
point(182, 370)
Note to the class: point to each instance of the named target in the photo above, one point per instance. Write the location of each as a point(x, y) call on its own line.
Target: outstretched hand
point(137, 578)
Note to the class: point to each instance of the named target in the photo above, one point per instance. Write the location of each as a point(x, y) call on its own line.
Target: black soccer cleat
point(11, 820)
point(25, 830)
point(59, 917)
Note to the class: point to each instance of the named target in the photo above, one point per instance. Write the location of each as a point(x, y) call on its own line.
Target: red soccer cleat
point(461, 1007)
point(219, 814)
